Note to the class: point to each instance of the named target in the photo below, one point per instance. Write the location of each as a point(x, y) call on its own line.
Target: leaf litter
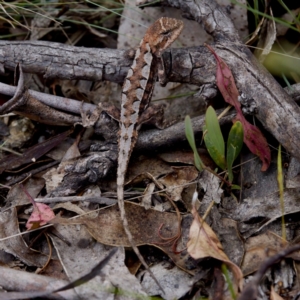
point(97, 230)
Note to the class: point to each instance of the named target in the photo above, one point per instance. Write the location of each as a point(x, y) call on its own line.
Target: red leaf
point(253, 137)
point(41, 214)
point(225, 82)
point(256, 142)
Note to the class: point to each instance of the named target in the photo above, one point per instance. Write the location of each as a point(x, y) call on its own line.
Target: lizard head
point(163, 33)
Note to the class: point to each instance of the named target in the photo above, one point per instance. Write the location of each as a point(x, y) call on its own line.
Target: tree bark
point(55, 60)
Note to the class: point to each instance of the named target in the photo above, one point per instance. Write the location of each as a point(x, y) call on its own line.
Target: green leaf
point(214, 130)
point(232, 150)
point(234, 146)
point(235, 187)
point(214, 139)
point(218, 158)
point(189, 133)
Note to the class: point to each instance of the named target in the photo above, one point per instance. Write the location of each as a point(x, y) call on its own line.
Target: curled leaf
point(203, 243)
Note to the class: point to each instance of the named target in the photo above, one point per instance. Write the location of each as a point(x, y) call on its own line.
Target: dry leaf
point(146, 200)
point(169, 277)
point(145, 227)
point(211, 186)
point(255, 250)
point(267, 39)
point(176, 181)
point(155, 166)
point(204, 243)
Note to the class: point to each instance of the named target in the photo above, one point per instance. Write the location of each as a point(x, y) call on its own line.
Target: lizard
point(136, 95)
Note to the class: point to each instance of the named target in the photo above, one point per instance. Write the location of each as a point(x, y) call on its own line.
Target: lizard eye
point(166, 33)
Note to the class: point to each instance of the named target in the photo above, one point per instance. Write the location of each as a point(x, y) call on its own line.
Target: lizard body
point(136, 95)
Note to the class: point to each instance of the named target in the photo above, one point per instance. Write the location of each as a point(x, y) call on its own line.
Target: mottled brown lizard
point(136, 95)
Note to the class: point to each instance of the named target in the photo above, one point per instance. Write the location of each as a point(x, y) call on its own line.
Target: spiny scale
point(136, 95)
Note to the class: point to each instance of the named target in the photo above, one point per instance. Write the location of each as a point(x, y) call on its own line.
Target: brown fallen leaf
point(204, 243)
point(258, 248)
point(153, 165)
point(145, 226)
point(250, 292)
point(176, 181)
